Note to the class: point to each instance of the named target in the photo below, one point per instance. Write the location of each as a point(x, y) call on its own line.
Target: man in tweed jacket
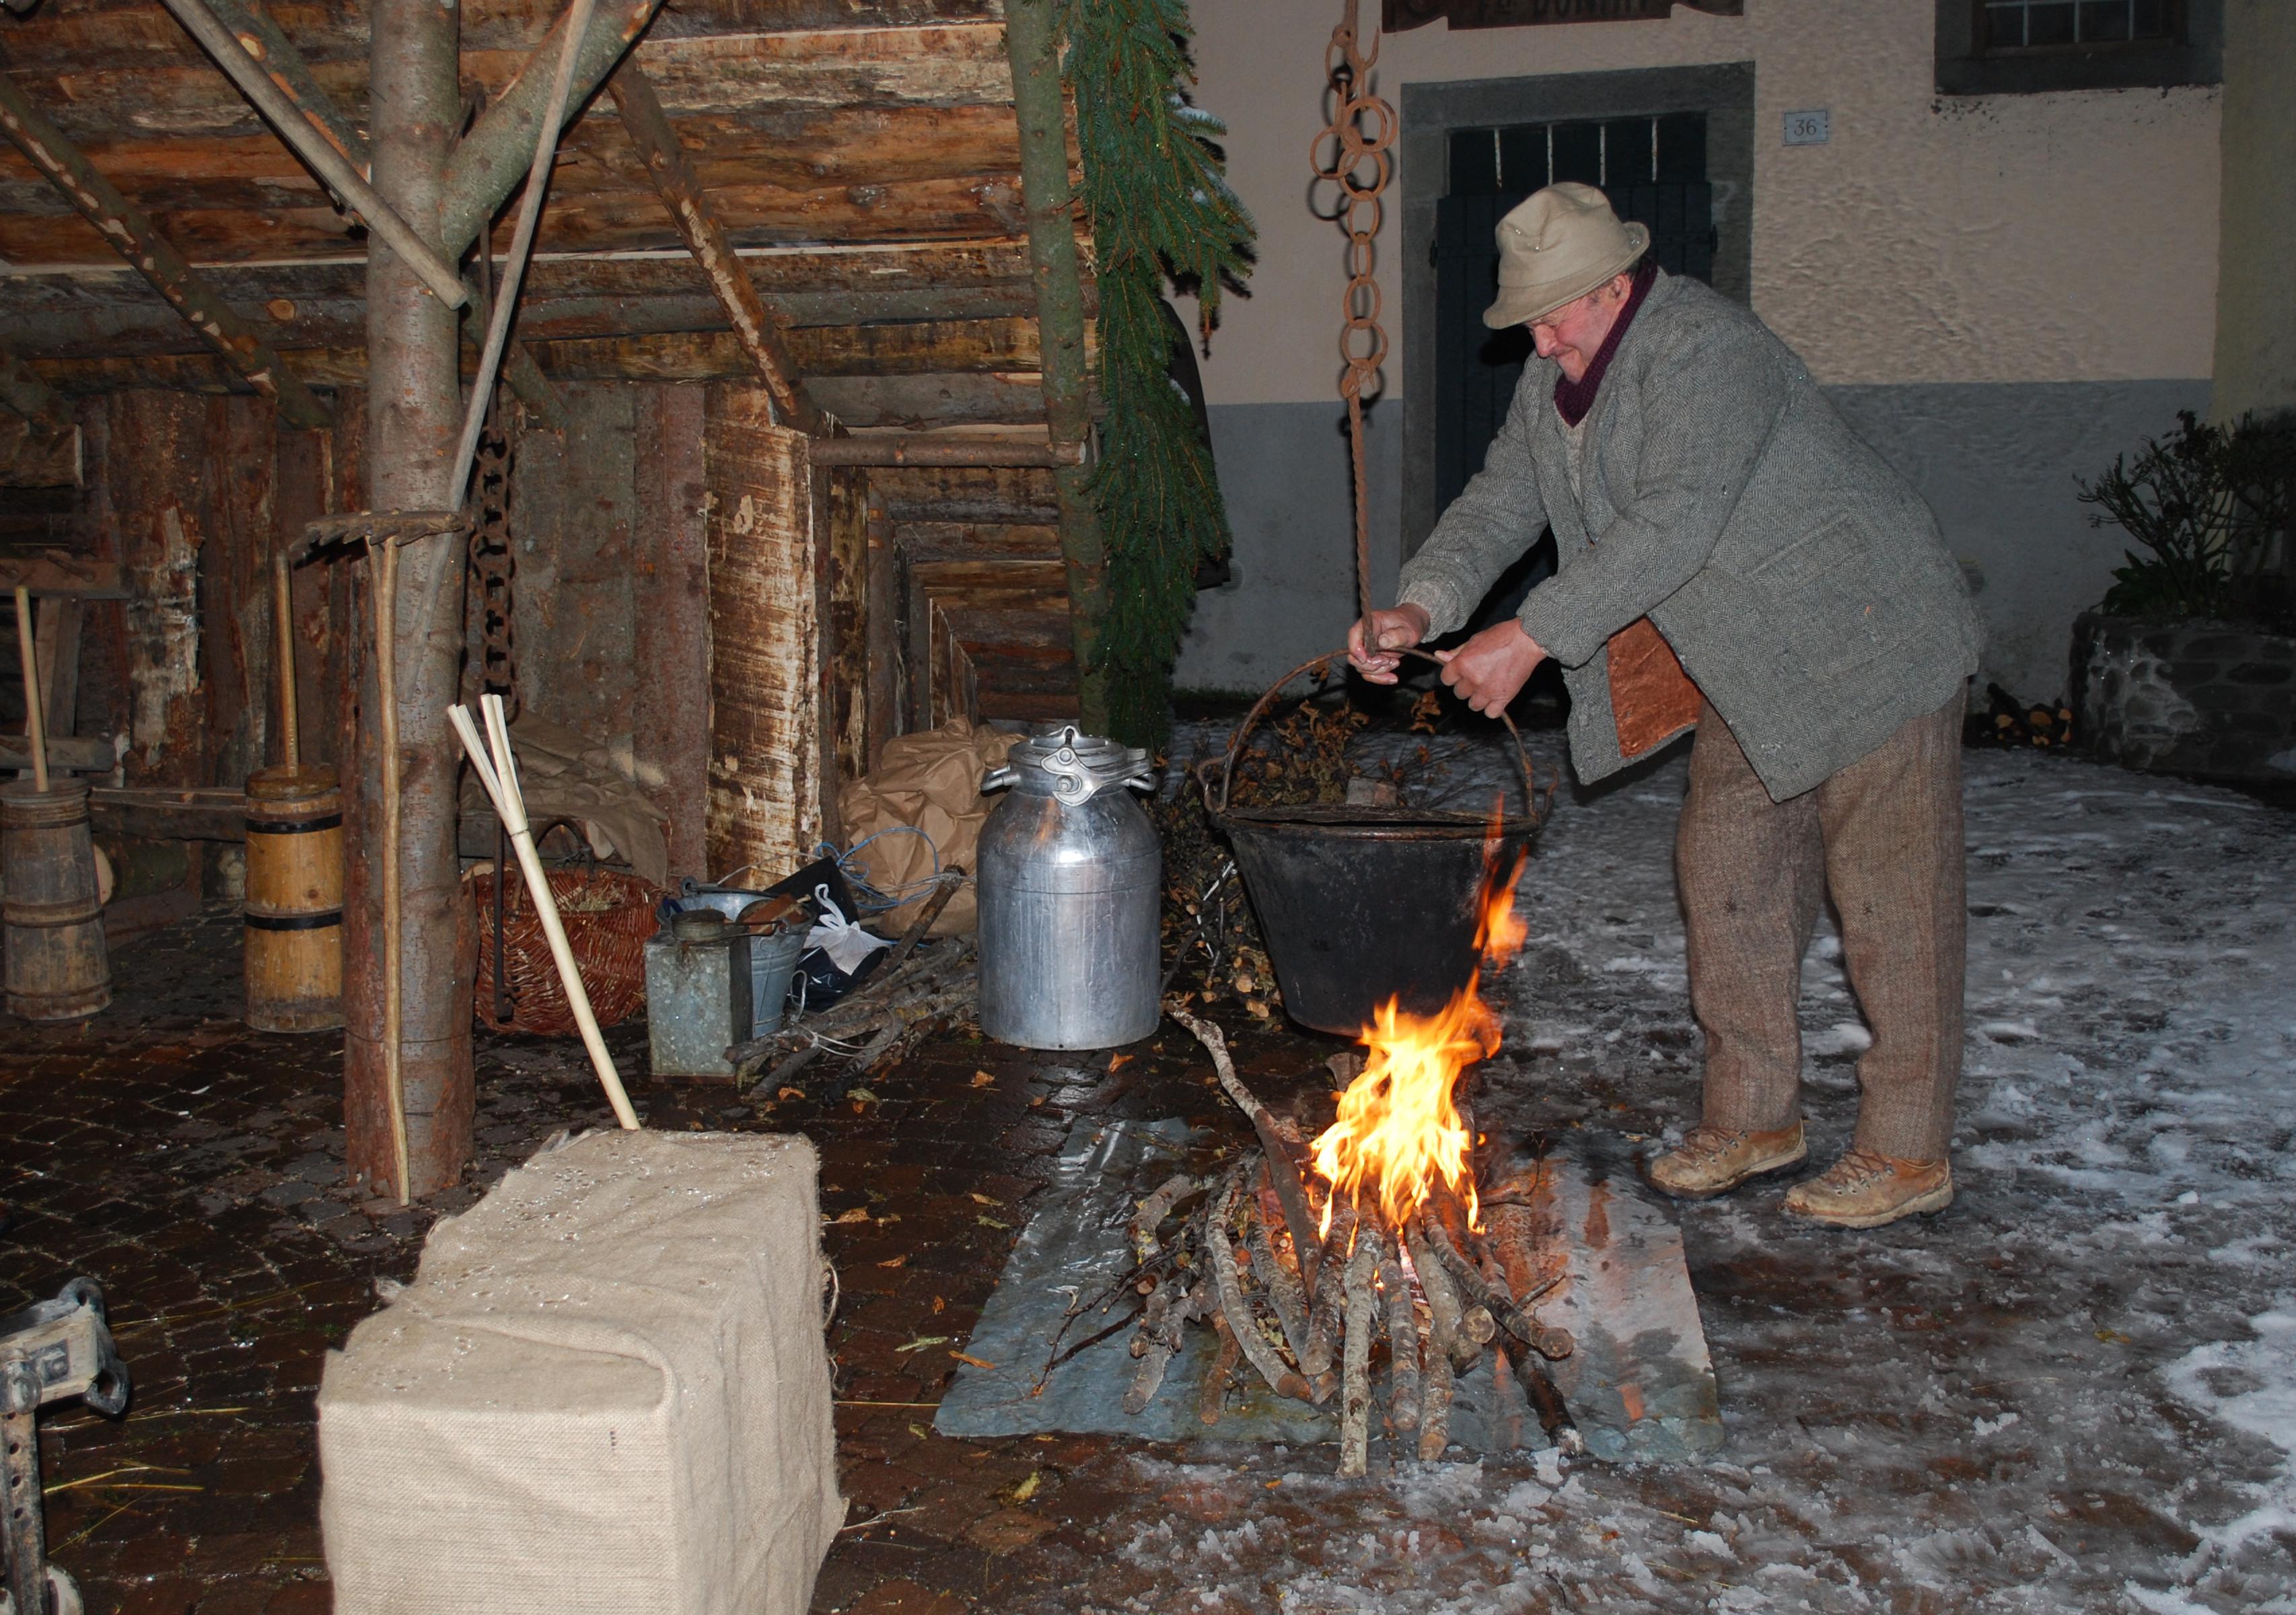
point(1731, 558)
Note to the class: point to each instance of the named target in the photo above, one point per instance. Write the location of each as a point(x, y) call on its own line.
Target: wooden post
point(135, 238)
point(648, 127)
point(413, 408)
point(1032, 38)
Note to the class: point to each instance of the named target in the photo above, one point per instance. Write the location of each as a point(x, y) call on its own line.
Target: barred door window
point(1653, 170)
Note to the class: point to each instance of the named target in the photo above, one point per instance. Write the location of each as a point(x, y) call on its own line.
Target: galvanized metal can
point(1071, 886)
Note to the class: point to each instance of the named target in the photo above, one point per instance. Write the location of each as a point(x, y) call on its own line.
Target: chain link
point(490, 562)
point(1361, 130)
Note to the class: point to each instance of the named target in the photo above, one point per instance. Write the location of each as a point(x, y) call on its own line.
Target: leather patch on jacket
point(1652, 699)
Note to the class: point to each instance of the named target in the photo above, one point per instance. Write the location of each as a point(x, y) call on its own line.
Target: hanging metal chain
point(490, 562)
point(1361, 131)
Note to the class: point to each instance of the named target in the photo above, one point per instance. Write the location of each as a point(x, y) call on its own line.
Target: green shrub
point(2213, 507)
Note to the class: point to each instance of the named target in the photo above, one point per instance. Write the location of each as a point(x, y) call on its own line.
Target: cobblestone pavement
point(194, 1168)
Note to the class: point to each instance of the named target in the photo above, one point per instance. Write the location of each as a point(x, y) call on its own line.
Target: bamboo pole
point(529, 215)
point(35, 724)
point(394, 985)
point(283, 597)
point(498, 774)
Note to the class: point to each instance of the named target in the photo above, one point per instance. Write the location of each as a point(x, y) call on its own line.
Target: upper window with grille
point(2007, 47)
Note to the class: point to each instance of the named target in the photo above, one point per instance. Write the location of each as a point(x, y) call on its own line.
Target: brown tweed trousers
point(1884, 836)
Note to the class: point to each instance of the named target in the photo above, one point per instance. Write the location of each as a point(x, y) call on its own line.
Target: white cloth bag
point(606, 1390)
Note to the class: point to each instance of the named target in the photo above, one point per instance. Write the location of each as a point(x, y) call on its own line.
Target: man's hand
point(1373, 641)
point(1490, 669)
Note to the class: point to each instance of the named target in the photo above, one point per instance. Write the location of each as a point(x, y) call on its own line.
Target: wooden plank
point(55, 642)
point(981, 494)
point(670, 596)
point(1017, 585)
point(206, 814)
point(880, 627)
point(31, 456)
point(768, 765)
point(846, 525)
point(981, 540)
point(572, 512)
point(67, 754)
point(60, 572)
point(54, 38)
point(951, 65)
point(925, 349)
point(855, 269)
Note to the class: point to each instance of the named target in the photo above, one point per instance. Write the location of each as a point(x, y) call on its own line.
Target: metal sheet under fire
point(1640, 1383)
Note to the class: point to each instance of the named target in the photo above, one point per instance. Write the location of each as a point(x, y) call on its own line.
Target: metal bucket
point(1361, 904)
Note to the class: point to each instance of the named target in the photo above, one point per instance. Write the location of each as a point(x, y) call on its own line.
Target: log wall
point(772, 787)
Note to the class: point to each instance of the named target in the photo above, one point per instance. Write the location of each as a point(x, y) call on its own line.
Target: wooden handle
point(496, 766)
point(386, 683)
point(35, 727)
point(284, 593)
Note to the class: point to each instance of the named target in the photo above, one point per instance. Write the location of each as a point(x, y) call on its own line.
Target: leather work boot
point(1863, 1189)
point(1714, 1160)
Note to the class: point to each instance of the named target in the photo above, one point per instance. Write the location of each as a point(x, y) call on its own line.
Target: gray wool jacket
point(1801, 583)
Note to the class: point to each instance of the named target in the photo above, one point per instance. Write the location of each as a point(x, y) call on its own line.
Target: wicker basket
point(608, 917)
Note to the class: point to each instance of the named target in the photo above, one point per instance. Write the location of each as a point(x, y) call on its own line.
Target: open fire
point(1307, 1258)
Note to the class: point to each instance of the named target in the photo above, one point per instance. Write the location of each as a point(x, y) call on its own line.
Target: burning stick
point(1492, 1294)
point(1402, 1343)
point(1444, 1343)
point(1355, 1394)
point(1282, 1287)
point(1279, 1149)
point(1215, 1377)
point(1237, 1310)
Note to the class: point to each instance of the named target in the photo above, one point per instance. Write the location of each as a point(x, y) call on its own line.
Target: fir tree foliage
point(1155, 190)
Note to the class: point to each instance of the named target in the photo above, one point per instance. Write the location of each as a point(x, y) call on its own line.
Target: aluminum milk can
point(1071, 890)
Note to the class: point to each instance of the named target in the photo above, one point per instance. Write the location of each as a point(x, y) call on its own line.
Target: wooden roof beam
point(289, 95)
point(754, 327)
point(491, 160)
point(135, 238)
point(285, 66)
point(335, 168)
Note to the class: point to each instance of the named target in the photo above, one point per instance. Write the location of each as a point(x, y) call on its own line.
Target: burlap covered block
point(606, 1390)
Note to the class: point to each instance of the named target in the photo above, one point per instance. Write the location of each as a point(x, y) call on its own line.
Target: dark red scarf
point(1575, 399)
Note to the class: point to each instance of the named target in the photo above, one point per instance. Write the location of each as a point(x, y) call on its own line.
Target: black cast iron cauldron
point(1361, 904)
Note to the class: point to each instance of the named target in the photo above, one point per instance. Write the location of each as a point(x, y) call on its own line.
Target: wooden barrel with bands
point(294, 898)
point(57, 968)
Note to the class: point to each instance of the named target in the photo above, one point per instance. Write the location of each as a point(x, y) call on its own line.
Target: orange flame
point(1398, 1132)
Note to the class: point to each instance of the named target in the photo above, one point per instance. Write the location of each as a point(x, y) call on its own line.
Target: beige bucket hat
point(1558, 244)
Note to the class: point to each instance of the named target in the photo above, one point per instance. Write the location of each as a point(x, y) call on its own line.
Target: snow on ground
point(2075, 1390)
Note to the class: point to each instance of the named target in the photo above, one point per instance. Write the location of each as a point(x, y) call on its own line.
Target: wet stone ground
point(2074, 1390)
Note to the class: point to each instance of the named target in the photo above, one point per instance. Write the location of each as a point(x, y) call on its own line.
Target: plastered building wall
point(2000, 291)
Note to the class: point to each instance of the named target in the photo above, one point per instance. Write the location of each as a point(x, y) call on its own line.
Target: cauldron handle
point(1321, 664)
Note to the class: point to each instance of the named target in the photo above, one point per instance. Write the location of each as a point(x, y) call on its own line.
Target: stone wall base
point(2199, 697)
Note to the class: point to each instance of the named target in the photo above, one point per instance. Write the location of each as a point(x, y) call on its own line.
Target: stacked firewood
point(918, 988)
point(1307, 1300)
